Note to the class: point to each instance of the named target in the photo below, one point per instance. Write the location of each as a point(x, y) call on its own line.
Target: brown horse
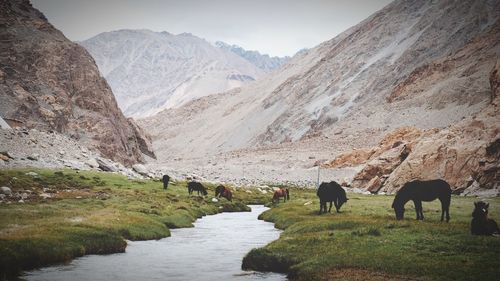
point(224, 192)
point(282, 192)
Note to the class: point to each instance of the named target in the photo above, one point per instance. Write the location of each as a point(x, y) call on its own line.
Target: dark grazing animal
point(282, 192)
point(196, 186)
point(481, 224)
point(331, 192)
point(419, 191)
point(165, 181)
point(224, 192)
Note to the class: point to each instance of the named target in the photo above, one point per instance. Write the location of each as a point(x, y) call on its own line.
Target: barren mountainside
point(150, 71)
point(50, 83)
point(414, 63)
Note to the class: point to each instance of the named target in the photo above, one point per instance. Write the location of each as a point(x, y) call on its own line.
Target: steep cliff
point(50, 83)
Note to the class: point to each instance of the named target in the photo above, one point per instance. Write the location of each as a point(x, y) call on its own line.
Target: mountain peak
point(151, 71)
point(262, 61)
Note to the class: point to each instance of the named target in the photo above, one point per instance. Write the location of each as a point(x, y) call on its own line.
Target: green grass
point(93, 213)
point(366, 239)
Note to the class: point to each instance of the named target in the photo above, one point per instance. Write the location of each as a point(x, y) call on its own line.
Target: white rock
point(141, 169)
point(33, 174)
point(45, 195)
point(215, 200)
point(92, 163)
point(5, 190)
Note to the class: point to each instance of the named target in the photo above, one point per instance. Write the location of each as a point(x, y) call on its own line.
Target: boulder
point(32, 174)
point(106, 165)
point(374, 185)
point(141, 169)
point(92, 163)
point(5, 190)
point(377, 169)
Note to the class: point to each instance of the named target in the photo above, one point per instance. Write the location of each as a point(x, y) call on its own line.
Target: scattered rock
point(215, 200)
point(32, 174)
point(106, 165)
point(33, 157)
point(141, 169)
point(92, 163)
point(45, 195)
point(5, 190)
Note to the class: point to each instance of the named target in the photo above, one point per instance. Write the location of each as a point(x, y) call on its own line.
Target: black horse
point(196, 186)
point(481, 224)
point(165, 181)
point(331, 192)
point(224, 192)
point(419, 191)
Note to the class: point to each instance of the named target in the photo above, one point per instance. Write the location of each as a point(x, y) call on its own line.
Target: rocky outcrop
point(466, 154)
point(378, 169)
point(50, 83)
point(143, 138)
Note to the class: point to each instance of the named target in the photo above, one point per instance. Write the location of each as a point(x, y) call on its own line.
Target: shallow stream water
point(212, 250)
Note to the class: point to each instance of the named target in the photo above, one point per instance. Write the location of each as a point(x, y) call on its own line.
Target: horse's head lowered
point(399, 209)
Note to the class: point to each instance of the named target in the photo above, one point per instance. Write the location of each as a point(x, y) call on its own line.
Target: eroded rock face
point(50, 83)
point(465, 154)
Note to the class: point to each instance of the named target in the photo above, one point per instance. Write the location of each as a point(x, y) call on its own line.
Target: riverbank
point(63, 214)
point(365, 242)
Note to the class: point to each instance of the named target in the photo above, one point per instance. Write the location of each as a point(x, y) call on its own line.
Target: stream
point(212, 250)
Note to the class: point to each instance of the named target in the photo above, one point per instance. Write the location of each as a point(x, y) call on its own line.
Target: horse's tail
point(287, 194)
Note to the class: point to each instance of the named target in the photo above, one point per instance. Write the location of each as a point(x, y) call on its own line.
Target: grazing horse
point(165, 181)
point(196, 186)
point(481, 224)
point(224, 192)
point(282, 192)
point(419, 191)
point(331, 192)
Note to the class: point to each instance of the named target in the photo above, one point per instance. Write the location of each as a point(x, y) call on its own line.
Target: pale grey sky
point(275, 27)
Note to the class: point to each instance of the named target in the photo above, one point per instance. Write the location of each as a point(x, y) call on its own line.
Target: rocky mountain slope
point(50, 83)
point(414, 63)
point(264, 62)
point(150, 71)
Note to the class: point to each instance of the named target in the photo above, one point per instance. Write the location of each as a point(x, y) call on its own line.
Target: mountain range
point(151, 71)
point(413, 63)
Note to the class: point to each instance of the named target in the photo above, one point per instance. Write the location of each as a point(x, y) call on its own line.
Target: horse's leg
point(448, 209)
point(443, 209)
point(418, 209)
point(336, 205)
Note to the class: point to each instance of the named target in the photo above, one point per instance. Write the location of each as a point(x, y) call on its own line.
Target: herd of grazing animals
point(416, 191)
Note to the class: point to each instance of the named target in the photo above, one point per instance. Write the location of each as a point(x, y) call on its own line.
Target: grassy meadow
point(93, 213)
point(365, 242)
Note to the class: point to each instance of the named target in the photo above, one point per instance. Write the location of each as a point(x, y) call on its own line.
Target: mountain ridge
point(150, 71)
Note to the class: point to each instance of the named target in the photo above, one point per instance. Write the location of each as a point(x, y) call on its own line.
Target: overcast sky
point(275, 27)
